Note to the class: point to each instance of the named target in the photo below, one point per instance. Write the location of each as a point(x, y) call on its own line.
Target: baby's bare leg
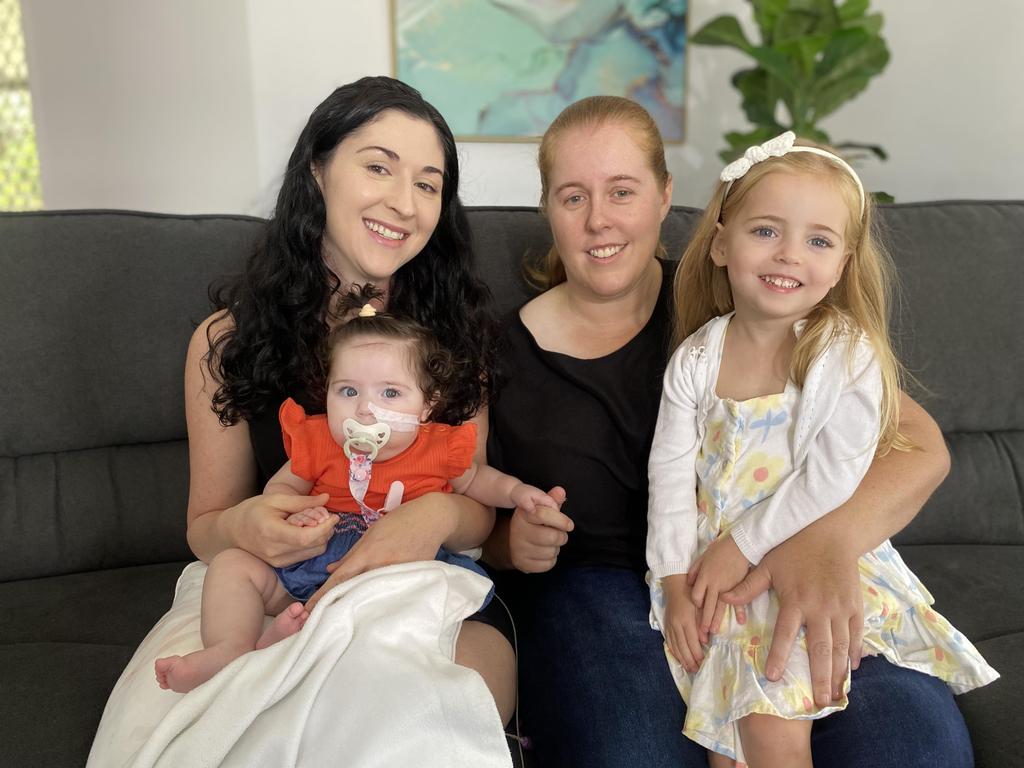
point(238, 592)
point(285, 624)
point(770, 741)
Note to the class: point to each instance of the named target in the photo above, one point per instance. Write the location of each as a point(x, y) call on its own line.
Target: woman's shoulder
point(210, 329)
point(541, 315)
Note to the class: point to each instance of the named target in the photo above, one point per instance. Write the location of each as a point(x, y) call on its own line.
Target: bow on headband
point(776, 147)
point(781, 145)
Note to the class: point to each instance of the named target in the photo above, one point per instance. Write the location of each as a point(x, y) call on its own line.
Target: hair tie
point(781, 145)
point(367, 311)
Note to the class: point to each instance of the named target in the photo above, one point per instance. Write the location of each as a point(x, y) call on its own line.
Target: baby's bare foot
point(183, 673)
point(285, 624)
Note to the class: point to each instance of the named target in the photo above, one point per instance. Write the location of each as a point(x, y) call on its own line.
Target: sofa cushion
point(97, 309)
point(60, 656)
point(978, 589)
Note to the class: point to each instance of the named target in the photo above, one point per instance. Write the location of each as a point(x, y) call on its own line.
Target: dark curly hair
point(281, 303)
point(436, 369)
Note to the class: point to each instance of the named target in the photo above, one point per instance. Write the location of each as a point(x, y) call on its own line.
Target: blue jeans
point(595, 689)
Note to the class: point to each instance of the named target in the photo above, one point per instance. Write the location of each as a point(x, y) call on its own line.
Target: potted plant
point(814, 55)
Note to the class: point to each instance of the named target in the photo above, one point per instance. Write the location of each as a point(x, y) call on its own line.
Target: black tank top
point(586, 425)
point(266, 440)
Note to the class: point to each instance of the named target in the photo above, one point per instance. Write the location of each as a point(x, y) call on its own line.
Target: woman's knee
point(896, 717)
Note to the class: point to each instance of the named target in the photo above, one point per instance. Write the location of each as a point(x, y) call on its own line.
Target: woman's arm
point(815, 572)
point(222, 511)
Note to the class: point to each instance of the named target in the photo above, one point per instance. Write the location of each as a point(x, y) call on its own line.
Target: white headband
point(777, 147)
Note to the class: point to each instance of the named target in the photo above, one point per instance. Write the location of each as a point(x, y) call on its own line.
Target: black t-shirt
point(586, 425)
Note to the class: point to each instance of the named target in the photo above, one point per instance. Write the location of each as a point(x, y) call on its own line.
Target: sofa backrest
point(97, 308)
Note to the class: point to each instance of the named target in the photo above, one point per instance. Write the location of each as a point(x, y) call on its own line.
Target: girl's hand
point(535, 537)
point(817, 581)
point(719, 569)
point(260, 526)
point(410, 532)
point(311, 517)
point(682, 617)
point(529, 497)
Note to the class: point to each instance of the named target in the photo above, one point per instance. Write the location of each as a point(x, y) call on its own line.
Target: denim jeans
point(595, 689)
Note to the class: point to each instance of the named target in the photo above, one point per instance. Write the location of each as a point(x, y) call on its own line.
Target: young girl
point(369, 452)
point(773, 407)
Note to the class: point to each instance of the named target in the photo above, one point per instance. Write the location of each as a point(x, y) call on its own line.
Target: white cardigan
point(836, 432)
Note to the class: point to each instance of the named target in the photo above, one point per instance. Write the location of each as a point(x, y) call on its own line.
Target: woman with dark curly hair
point(370, 195)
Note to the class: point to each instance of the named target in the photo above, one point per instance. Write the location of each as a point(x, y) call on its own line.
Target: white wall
point(142, 104)
point(193, 106)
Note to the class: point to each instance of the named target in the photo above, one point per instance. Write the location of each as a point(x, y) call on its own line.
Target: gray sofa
point(97, 307)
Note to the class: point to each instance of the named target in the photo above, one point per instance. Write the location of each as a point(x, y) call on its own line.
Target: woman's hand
point(413, 531)
point(536, 537)
point(260, 526)
point(817, 580)
point(682, 620)
point(720, 568)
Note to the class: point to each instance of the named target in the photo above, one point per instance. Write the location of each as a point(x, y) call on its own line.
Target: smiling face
point(372, 369)
point(784, 248)
point(382, 195)
point(605, 206)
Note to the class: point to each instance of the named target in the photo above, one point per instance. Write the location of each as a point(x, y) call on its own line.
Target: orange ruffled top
point(439, 453)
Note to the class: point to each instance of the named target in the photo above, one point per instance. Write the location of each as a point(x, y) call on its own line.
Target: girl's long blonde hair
point(860, 300)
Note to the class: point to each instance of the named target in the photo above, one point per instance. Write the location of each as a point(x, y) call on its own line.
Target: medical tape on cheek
point(399, 422)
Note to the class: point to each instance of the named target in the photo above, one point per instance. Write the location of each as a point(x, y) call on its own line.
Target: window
point(20, 189)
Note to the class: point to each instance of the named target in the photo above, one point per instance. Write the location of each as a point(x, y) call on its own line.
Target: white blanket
point(369, 681)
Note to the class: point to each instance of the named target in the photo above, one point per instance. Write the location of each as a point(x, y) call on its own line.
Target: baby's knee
point(236, 562)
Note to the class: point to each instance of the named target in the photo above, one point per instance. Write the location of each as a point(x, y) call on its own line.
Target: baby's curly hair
point(437, 370)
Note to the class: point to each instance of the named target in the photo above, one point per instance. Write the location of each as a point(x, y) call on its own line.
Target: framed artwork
point(501, 70)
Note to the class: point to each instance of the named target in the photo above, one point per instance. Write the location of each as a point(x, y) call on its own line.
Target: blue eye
point(391, 393)
point(821, 242)
point(764, 232)
point(622, 193)
point(574, 199)
point(349, 392)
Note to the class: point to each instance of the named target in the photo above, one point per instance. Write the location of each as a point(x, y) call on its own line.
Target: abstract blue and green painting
point(506, 68)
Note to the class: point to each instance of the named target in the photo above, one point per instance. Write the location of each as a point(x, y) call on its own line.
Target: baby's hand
point(310, 517)
point(719, 569)
point(528, 497)
point(681, 623)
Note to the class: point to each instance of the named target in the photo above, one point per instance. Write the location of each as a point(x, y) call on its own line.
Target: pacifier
point(367, 439)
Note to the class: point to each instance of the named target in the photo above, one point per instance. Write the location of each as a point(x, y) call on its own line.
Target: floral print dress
point(744, 457)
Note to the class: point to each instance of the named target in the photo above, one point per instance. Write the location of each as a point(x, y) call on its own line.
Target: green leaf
point(805, 51)
point(759, 97)
point(829, 97)
point(852, 52)
point(852, 9)
point(723, 30)
point(765, 14)
point(874, 149)
point(871, 24)
point(776, 63)
point(882, 197)
point(792, 25)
